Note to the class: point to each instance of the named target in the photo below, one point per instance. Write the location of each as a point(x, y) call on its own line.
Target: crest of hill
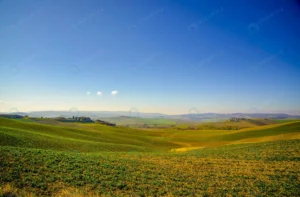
point(231, 124)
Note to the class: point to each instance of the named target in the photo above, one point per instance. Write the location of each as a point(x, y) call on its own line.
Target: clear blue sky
point(157, 56)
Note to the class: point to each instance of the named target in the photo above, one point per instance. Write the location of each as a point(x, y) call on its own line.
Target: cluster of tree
point(82, 119)
point(105, 123)
point(11, 116)
point(237, 119)
point(74, 119)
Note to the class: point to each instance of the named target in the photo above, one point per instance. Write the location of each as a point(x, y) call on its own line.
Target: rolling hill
point(44, 157)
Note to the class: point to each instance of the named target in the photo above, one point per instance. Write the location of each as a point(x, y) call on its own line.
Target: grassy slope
point(39, 159)
point(96, 137)
point(207, 138)
point(265, 169)
point(83, 137)
point(227, 125)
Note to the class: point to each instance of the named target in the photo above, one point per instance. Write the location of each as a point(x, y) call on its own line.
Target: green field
point(140, 122)
point(43, 157)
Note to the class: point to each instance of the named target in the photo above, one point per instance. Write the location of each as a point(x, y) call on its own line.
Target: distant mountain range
point(185, 117)
point(216, 117)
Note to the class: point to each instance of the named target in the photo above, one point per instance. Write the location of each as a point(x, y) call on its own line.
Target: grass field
point(138, 122)
point(49, 158)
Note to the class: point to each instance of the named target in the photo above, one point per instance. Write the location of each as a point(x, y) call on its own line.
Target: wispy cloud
point(99, 93)
point(114, 93)
point(88, 93)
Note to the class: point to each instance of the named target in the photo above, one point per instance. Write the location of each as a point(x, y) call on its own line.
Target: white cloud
point(88, 93)
point(114, 93)
point(99, 93)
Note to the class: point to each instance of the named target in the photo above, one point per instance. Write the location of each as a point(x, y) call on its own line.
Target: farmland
point(49, 158)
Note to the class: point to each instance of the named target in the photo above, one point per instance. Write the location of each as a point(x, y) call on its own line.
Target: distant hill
point(91, 114)
point(140, 122)
point(213, 117)
point(123, 117)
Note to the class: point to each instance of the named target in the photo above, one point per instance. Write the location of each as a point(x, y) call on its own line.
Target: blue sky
point(157, 56)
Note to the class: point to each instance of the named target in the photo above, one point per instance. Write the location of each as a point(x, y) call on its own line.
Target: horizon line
point(138, 112)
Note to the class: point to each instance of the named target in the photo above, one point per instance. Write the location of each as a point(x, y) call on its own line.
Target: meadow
point(43, 157)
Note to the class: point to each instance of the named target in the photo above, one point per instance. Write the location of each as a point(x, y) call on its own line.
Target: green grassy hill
point(226, 125)
point(43, 157)
point(264, 169)
point(77, 137)
point(209, 137)
point(93, 137)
